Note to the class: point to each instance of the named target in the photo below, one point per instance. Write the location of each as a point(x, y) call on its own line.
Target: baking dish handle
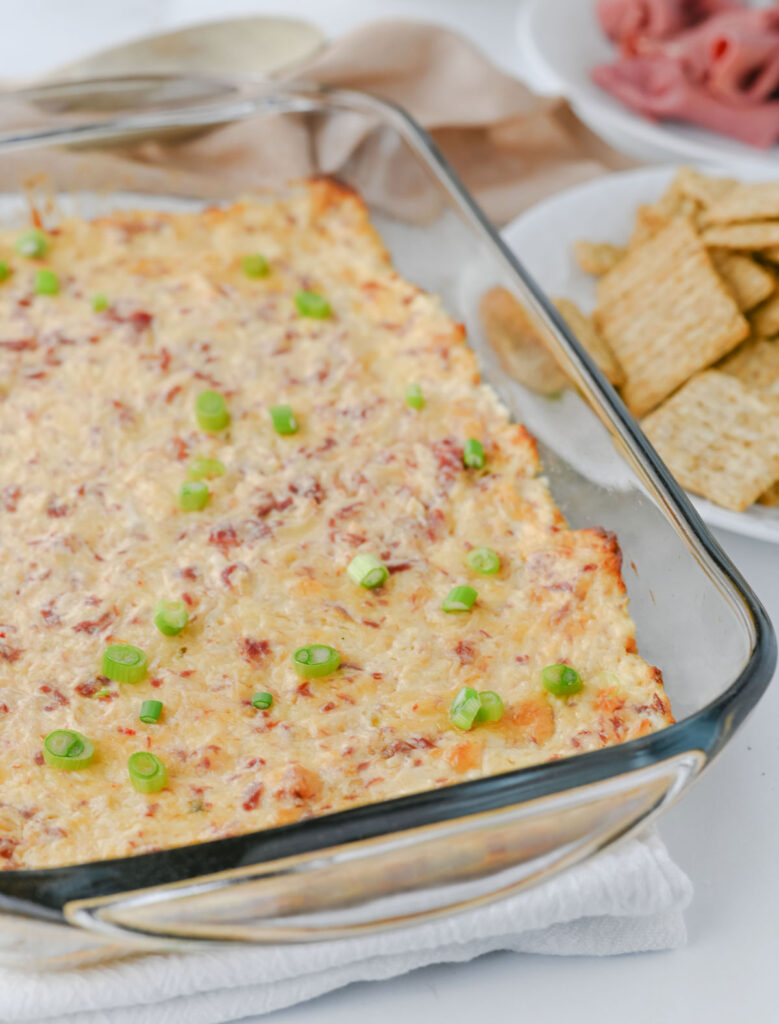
point(394, 880)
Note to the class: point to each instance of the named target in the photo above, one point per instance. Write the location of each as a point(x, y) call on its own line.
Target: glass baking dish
point(112, 144)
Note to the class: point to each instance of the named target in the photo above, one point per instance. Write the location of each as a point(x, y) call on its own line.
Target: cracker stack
point(690, 313)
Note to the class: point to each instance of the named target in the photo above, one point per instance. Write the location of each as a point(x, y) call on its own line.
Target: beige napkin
point(509, 146)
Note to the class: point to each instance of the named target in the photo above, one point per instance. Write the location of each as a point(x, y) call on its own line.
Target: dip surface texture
point(97, 431)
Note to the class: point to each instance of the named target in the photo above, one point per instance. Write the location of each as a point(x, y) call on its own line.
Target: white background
point(725, 833)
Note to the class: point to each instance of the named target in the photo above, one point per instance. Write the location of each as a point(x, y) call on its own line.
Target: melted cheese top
point(97, 427)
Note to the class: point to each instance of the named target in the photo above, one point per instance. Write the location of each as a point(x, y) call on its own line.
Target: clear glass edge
point(42, 893)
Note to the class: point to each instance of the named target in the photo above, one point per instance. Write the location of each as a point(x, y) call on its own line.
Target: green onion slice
point(147, 773)
point(561, 680)
point(255, 265)
point(124, 663)
point(32, 244)
point(68, 750)
point(367, 571)
point(483, 560)
point(170, 617)
point(211, 411)
point(459, 599)
point(151, 711)
point(414, 397)
point(203, 468)
point(262, 701)
point(316, 660)
point(473, 454)
point(5, 271)
point(464, 708)
point(313, 304)
point(491, 709)
point(193, 496)
point(283, 418)
point(46, 282)
point(99, 302)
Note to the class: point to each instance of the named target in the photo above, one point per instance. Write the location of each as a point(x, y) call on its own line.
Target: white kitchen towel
point(629, 899)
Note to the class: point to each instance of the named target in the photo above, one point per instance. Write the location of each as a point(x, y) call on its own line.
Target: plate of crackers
point(669, 277)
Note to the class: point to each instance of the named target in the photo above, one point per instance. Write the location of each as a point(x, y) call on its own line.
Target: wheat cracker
point(749, 282)
point(591, 339)
point(719, 440)
point(665, 313)
point(756, 235)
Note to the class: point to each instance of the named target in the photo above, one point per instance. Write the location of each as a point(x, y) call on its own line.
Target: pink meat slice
point(628, 21)
point(734, 55)
point(658, 87)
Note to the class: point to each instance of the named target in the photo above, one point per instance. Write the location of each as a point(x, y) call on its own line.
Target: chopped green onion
point(459, 599)
point(313, 304)
point(170, 617)
point(99, 302)
point(255, 265)
point(32, 244)
point(464, 708)
point(193, 496)
point(147, 773)
point(283, 418)
point(67, 749)
point(316, 660)
point(102, 692)
point(491, 709)
point(5, 271)
point(561, 680)
point(483, 560)
point(46, 282)
point(367, 571)
point(414, 397)
point(211, 411)
point(124, 663)
point(262, 701)
point(151, 711)
point(473, 454)
point(202, 468)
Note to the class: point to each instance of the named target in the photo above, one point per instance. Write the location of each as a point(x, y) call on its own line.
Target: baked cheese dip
point(269, 548)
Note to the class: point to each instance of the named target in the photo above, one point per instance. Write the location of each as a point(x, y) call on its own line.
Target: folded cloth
point(626, 900)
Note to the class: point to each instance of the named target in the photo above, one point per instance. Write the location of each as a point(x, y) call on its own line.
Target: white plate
point(603, 210)
point(561, 41)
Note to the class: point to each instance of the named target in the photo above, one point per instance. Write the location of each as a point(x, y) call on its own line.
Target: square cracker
point(648, 221)
point(745, 202)
point(718, 439)
point(651, 219)
point(765, 319)
point(597, 258)
point(749, 282)
point(759, 234)
point(665, 313)
point(702, 188)
point(771, 496)
point(591, 338)
point(688, 194)
point(756, 364)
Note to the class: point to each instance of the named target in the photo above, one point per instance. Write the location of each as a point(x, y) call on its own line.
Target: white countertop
point(725, 833)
